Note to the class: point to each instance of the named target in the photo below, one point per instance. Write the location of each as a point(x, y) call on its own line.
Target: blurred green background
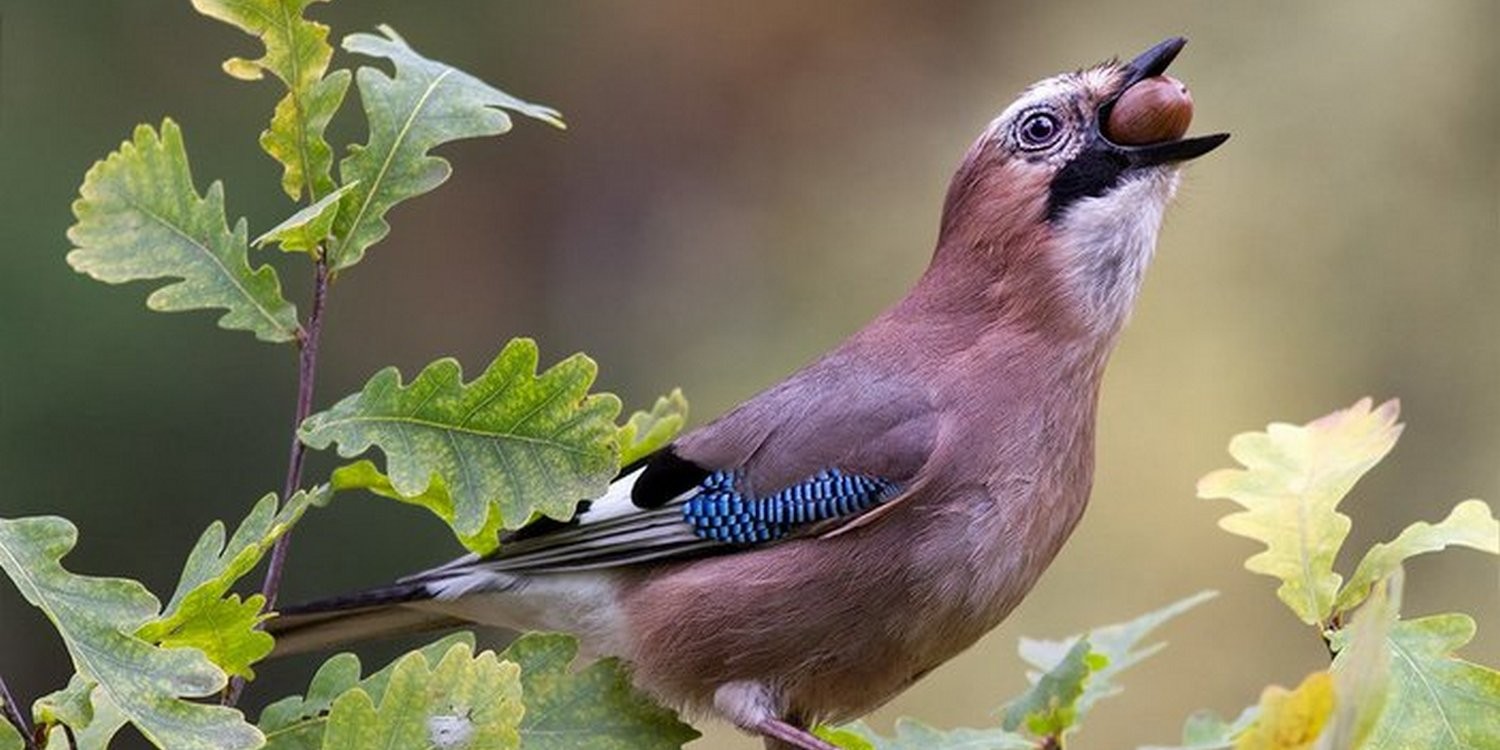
point(725, 163)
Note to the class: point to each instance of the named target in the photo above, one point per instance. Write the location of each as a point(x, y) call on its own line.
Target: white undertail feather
point(584, 604)
point(581, 602)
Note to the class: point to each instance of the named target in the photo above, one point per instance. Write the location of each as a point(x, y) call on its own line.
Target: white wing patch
point(615, 503)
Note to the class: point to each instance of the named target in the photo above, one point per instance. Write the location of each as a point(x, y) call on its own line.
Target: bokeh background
point(740, 186)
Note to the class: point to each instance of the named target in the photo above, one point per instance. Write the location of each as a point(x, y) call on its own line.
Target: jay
point(816, 550)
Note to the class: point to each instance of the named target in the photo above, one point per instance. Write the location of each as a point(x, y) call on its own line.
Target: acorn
point(1154, 110)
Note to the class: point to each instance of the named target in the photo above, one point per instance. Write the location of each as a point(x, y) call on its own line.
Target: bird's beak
point(1154, 62)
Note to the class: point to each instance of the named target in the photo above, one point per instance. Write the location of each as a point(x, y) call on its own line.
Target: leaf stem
point(307, 370)
point(13, 715)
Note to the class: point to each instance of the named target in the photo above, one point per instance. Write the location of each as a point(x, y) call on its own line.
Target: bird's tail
point(367, 615)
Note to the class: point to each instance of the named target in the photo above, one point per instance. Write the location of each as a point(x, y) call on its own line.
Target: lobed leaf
point(1050, 707)
point(93, 719)
point(214, 565)
point(72, 705)
point(1437, 701)
point(1118, 644)
point(852, 736)
point(1077, 672)
point(10, 738)
point(295, 136)
point(1291, 719)
point(363, 475)
point(298, 723)
point(426, 104)
point(106, 721)
point(1293, 480)
point(198, 615)
point(227, 631)
point(139, 217)
point(465, 701)
point(647, 432)
point(296, 49)
point(306, 230)
point(510, 442)
point(96, 618)
point(914, 735)
point(1362, 669)
point(298, 53)
point(1470, 524)
point(1205, 730)
point(592, 708)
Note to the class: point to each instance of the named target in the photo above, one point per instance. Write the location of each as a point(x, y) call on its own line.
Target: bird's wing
point(825, 447)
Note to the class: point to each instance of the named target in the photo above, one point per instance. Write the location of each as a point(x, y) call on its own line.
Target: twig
point(307, 370)
point(13, 715)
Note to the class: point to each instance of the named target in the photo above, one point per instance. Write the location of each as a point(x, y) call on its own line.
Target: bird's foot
point(756, 709)
point(780, 735)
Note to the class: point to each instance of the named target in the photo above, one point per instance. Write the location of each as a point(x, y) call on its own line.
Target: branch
point(13, 715)
point(307, 370)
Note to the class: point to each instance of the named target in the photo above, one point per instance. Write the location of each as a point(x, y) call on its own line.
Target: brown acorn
point(1156, 109)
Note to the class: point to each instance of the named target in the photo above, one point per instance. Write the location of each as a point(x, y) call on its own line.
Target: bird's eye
point(1037, 131)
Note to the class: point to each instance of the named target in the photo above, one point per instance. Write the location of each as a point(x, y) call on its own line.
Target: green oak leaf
point(1437, 701)
point(295, 136)
point(10, 735)
point(855, 735)
point(1362, 668)
point(1050, 707)
point(914, 735)
point(1117, 643)
point(1470, 524)
point(297, 50)
point(71, 705)
point(298, 723)
point(226, 630)
point(106, 721)
point(199, 615)
point(93, 719)
point(306, 230)
point(510, 442)
point(466, 701)
point(1077, 672)
point(425, 105)
point(139, 217)
point(10, 738)
point(593, 708)
point(1205, 730)
point(214, 564)
point(646, 432)
point(1293, 480)
point(433, 652)
point(96, 618)
point(298, 53)
point(363, 475)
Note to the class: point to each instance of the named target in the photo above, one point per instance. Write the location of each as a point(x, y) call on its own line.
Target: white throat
point(1108, 241)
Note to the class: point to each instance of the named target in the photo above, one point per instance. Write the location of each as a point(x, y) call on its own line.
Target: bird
point(819, 548)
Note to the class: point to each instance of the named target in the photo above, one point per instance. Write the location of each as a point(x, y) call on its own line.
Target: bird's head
point(1056, 207)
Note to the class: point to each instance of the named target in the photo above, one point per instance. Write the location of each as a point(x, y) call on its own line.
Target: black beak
point(1154, 62)
point(1102, 163)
